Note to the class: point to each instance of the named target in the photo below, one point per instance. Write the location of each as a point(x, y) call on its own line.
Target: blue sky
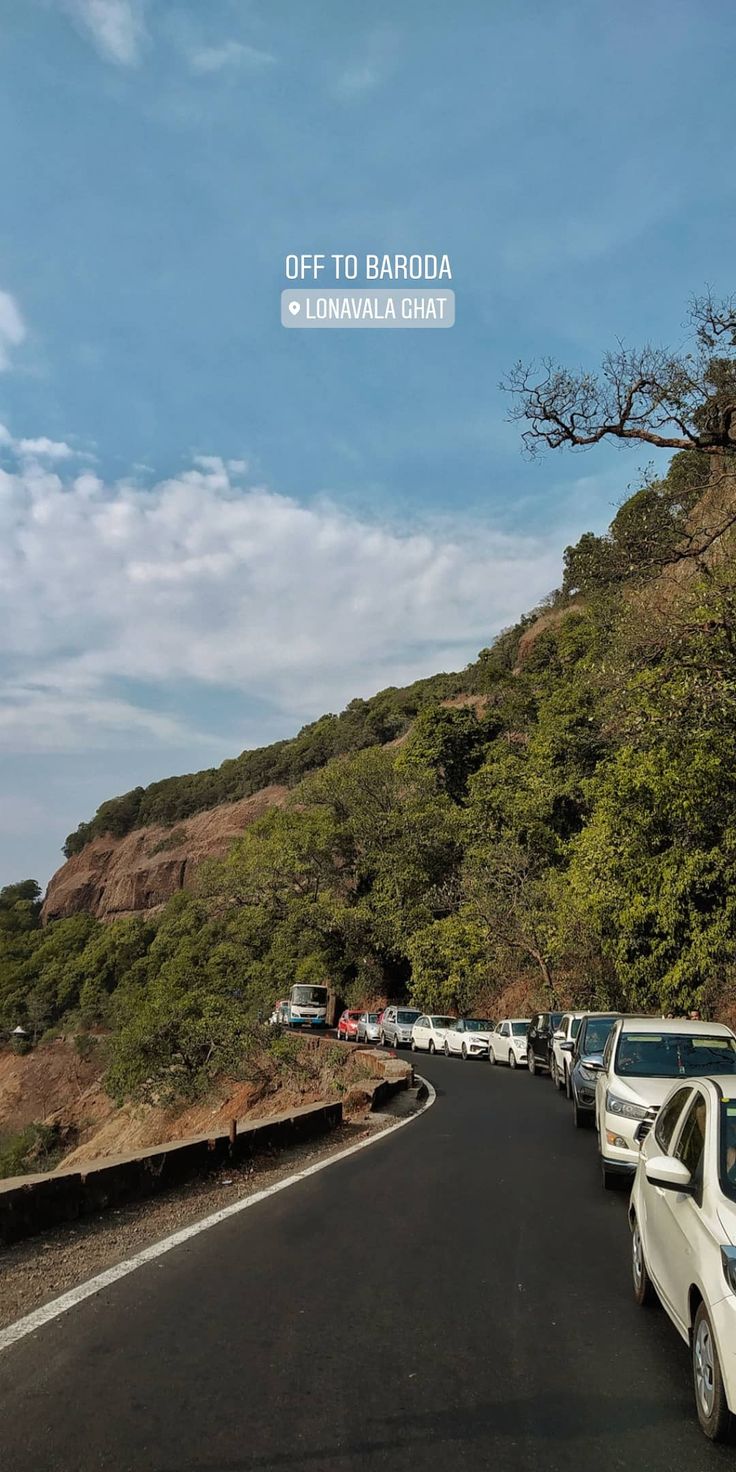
point(214, 529)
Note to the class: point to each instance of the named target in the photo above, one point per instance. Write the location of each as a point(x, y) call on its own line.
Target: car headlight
point(624, 1107)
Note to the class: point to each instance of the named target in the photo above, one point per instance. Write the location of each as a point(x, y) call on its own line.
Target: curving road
point(455, 1297)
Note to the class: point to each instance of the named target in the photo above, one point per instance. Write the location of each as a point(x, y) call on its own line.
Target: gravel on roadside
point(34, 1271)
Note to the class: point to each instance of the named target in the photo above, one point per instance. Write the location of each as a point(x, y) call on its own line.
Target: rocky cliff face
point(125, 876)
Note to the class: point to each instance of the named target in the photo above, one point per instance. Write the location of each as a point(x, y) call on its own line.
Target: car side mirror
point(670, 1174)
point(566, 1047)
point(595, 1064)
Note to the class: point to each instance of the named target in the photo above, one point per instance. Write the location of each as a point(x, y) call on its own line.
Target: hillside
point(112, 877)
point(556, 823)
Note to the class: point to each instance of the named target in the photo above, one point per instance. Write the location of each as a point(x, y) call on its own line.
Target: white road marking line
point(58, 1306)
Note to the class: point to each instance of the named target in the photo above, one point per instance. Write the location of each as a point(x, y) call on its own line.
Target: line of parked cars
point(660, 1094)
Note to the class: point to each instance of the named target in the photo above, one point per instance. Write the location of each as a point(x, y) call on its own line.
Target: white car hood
point(651, 1092)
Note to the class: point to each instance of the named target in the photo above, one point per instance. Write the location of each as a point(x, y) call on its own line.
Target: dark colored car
point(586, 1061)
point(539, 1041)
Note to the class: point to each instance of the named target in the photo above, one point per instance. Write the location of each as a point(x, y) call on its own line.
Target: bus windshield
point(309, 996)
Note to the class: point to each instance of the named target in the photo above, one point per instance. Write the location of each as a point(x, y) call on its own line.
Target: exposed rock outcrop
point(111, 877)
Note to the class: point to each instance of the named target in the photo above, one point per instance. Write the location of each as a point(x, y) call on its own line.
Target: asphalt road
point(457, 1296)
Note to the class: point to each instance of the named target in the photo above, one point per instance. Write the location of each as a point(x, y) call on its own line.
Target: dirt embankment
point(112, 877)
point(53, 1085)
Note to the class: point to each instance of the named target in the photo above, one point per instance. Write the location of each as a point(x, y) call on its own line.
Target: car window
point(575, 1026)
point(691, 1144)
point(668, 1117)
point(672, 1055)
point(504, 1029)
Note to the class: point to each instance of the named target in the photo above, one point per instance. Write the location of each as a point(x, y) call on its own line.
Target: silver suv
point(396, 1026)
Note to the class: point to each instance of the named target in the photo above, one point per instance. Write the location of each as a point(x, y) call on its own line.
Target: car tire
point(447, 1050)
point(609, 1178)
point(512, 1058)
point(643, 1289)
point(710, 1393)
point(491, 1055)
point(464, 1053)
point(413, 1046)
point(383, 1039)
point(531, 1064)
point(431, 1046)
point(568, 1084)
point(580, 1118)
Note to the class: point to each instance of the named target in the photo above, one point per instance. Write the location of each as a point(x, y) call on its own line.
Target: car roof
point(676, 1025)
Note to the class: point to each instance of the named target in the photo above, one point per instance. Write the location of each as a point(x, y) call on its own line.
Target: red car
point(347, 1027)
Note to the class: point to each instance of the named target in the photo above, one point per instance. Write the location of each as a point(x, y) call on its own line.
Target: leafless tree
point(673, 400)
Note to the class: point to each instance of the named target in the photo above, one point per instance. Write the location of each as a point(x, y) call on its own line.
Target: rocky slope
point(140, 872)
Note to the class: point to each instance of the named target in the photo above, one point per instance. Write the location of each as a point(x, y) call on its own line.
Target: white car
point(468, 1036)
point(643, 1057)
point(508, 1042)
point(369, 1028)
point(560, 1057)
point(428, 1033)
point(683, 1224)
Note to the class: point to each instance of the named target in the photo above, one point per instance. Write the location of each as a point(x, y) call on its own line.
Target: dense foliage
point(570, 828)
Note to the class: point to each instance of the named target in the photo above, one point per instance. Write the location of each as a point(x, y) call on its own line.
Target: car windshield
point(673, 1055)
point(596, 1034)
point(441, 1021)
point(371, 1016)
point(727, 1154)
point(309, 996)
point(407, 1016)
point(353, 1016)
point(555, 1019)
point(477, 1024)
point(520, 1029)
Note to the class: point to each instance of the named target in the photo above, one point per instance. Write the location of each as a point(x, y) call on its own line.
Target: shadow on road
point(548, 1418)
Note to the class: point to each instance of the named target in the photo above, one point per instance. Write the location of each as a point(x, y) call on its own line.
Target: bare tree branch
point(674, 401)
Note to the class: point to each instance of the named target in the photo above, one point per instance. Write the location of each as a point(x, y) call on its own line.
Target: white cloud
point(231, 55)
point(12, 327)
point(35, 449)
point(117, 27)
point(194, 579)
point(367, 71)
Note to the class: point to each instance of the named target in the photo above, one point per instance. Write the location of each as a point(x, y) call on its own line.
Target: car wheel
point(491, 1055)
point(383, 1039)
point(531, 1064)
point(512, 1059)
point(431, 1046)
point(643, 1290)
point(610, 1180)
point(710, 1394)
point(464, 1053)
point(580, 1118)
point(413, 1046)
point(447, 1050)
point(568, 1084)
